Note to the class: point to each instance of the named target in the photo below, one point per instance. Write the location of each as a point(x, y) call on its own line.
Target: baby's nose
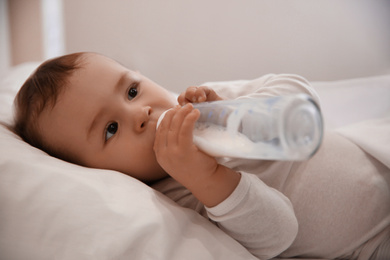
point(143, 119)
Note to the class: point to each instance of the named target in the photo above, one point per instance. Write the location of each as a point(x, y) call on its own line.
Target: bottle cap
point(304, 127)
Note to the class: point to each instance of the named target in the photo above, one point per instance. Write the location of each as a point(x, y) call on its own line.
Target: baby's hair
point(40, 91)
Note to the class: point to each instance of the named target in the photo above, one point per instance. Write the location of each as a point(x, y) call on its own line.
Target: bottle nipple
point(161, 118)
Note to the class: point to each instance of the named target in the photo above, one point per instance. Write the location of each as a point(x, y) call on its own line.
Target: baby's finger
point(200, 94)
point(162, 130)
point(176, 123)
point(185, 136)
point(191, 94)
point(188, 96)
point(181, 99)
point(210, 94)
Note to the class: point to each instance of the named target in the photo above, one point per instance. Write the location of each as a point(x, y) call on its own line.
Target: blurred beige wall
point(4, 37)
point(180, 43)
point(25, 31)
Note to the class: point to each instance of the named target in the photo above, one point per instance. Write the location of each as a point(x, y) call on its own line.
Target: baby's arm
point(259, 217)
point(269, 85)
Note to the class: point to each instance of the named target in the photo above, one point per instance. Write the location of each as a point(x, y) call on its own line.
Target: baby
point(88, 109)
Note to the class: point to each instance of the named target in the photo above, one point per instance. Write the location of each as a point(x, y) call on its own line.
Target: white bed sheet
point(51, 209)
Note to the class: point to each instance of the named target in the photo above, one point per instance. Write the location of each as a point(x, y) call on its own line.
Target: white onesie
point(340, 197)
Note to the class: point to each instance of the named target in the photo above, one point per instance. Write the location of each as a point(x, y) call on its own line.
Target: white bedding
point(50, 209)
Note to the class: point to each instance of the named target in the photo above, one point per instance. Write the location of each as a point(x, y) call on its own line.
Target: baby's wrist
point(216, 187)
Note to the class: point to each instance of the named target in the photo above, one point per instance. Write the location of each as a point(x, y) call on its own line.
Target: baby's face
point(106, 118)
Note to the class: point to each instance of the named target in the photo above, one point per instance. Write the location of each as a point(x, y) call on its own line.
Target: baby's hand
point(175, 150)
point(198, 94)
point(209, 182)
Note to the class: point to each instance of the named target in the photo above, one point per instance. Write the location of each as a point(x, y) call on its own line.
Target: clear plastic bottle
point(274, 128)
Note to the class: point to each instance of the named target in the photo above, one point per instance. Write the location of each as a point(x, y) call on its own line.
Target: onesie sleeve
point(269, 85)
point(259, 217)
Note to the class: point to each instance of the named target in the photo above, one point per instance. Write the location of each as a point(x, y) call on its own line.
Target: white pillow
point(51, 209)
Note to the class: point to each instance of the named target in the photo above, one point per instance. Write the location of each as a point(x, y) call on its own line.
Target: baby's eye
point(132, 93)
point(111, 130)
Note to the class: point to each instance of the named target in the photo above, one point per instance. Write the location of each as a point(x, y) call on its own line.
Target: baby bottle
point(271, 128)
